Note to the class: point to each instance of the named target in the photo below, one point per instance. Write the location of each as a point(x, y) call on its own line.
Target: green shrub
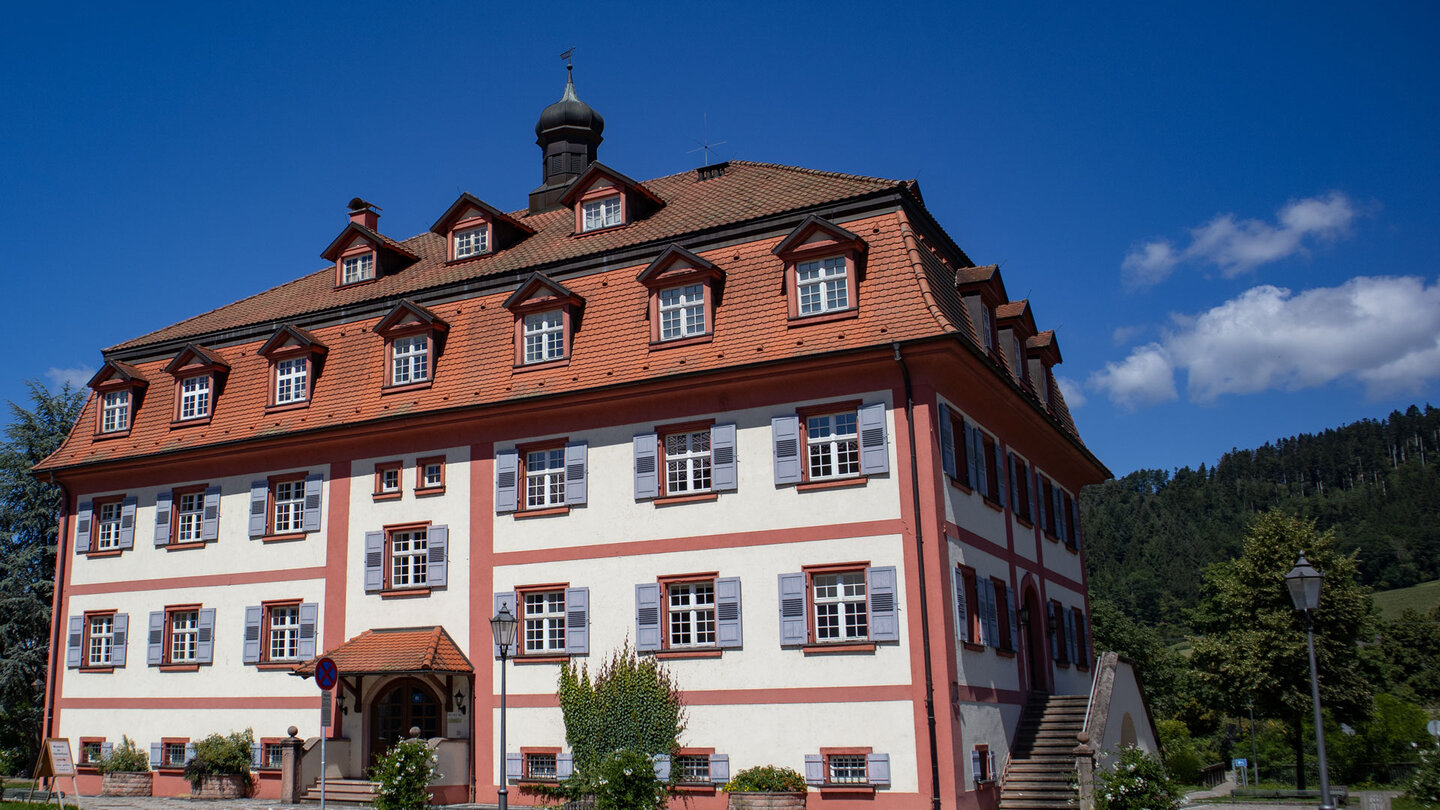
point(218, 755)
point(127, 758)
point(626, 780)
point(404, 773)
point(1424, 786)
point(1138, 782)
point(766, 779)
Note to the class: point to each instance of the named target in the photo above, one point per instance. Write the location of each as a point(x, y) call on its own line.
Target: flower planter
point(228, 786)
point(136, 783)
point(767, 801)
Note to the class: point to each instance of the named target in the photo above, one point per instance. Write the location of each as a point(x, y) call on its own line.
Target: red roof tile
point(401, 649)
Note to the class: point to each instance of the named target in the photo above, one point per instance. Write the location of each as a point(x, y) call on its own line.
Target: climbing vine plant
point(631, 703)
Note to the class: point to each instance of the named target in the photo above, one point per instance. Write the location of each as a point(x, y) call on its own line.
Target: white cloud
point(1238, 246)
point(1382, 332)
point(1125, 334)
point(1146, 377)
point(77, 376)
point(1072, 391)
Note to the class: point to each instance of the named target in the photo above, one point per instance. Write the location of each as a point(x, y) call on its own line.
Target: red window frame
point(600, 190)
point(268, 745)
point(388, 585)
point(992, 471)
point(1022, 491)
point(298, 530)
point(961, 449)
point(111, 387)
point(423, 488)
point(83, 760)
point(176, 420)
point(826, 754)
point(522, 483)
point(828, 409)
point(985, 777)
point(358, 248)
point(711, 650)
point(96, 507)
point(85, 642)
point(812, 642)
point(972, 608)
point(165, 743)
point(469, 224)
point(543, 655)
point(276, 358)
point(707, 786)
point(175, 494)
point(1057, 611)
point(1050, 527)
point(381, 493)
point(1002, 617)
point(526, 752)
point(566, 332)
point(410, 330)
point(265, 610)
point(663, 470)
point(166, 664)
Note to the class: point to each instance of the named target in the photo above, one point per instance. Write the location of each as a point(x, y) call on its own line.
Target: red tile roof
point(400, 649)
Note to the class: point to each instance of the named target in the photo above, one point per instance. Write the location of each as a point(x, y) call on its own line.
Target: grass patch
point(1422, 598)
point(1407, 803)
point(10, 805)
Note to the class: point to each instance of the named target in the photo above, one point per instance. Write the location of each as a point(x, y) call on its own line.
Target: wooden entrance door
point(1035, 647)
point(403, 705)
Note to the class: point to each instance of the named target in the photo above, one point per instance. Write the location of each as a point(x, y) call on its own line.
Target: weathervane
point(705, 145)
point(569, 65)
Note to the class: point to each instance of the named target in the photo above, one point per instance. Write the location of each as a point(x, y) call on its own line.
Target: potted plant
point(221, 766)
point(126, 771)
point(766, 787)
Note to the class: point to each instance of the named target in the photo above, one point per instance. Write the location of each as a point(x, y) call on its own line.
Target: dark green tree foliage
point(1406, 655)
point(1253, 647)
point(1377, 483)
point(29, 511)
point(633, 703)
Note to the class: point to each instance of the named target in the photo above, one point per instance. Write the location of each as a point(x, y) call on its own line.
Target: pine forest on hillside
point(1375, 482)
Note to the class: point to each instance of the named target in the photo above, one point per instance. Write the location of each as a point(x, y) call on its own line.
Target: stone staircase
point(347, 791)
point(1041, 771)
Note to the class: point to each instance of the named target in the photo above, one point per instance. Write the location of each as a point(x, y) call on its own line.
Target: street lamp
point(1304, 582)
point(502, 628)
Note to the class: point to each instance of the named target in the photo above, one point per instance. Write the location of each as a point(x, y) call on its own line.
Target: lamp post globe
point(502, 628)
point(1304, 583)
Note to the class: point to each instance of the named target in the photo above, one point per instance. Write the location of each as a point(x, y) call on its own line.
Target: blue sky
point(1227, 210)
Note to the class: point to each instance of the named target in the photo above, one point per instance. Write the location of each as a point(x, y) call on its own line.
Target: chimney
point(364, 213)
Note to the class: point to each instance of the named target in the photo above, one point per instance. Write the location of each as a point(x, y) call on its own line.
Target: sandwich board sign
point(56, 761)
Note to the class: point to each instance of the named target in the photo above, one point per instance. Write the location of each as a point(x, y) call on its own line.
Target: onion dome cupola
point(569, 135)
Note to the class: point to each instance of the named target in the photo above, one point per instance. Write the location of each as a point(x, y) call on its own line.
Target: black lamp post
point(1304, 582)
point(502, 627)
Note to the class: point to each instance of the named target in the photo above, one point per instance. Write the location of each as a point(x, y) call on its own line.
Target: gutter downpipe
point(920, 558)
point(61, 558)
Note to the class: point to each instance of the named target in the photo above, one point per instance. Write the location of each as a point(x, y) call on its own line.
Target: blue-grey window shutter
point(436, 568)
point(155, 755)
point(962, 616)
point(662, 766)
point(564, 766)
point(251, 649)
point(947, 441)
point(1000, 476)
point(255, 756)
point(82, 527)
point(1072, 510)
point(575, 473)
point(514, 766)
point(1078, 541)
point(309, 620)
point(722, 458)
point(1014, 620)
point(1070, 651)
point(785, 437)
point(992, 616)
point(507, 489)
point(210, 524)
point(189, 752)
point(312, 501)
point(1029, 484)
point(76, 642)
point(121, 629)
point(793, 626)
point(814, 769)
point(647, 617)
point(127, 522)
point(155, 641)
point(877, 769)
point(1014, 491)
point(259, 502)
point(374, 561)
point(982, 595)
point(205, 637)
point(727, 612)
point(972, 474)
point(975, 772)
point(874, 449)
point(990, 765)
point(506, 600)
point(884, 613)
point(647, 476)
point(1055, 631)
point(162, 517)
point(720, 768)
point(577, 621)
point(106, 749)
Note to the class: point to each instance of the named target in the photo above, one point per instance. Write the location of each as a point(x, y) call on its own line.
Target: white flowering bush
point(1138, 782)
point(1424, 786)
point(626, 780)
point(404, 772)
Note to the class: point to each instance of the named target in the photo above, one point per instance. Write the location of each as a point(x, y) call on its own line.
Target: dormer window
point(471, 242)
point(115, 411)
point(195, 397)
point(546, 317)
point(544, 336)
point(822, 268)
point(292, 380)
point(411, 334)
point(602, 213)
point(683, 289)
point(682, 311)
point(198, 372)
point(358, 268)
point(294, 356)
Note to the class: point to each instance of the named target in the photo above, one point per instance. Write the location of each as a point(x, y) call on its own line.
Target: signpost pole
point(326, 676)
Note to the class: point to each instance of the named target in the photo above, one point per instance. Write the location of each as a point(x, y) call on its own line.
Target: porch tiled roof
point(397, 649)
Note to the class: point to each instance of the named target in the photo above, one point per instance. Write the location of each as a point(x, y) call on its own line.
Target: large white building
point(768, 424)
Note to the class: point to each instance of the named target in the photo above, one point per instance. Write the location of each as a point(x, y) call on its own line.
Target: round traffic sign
point(326, 673)
point(1433, 727)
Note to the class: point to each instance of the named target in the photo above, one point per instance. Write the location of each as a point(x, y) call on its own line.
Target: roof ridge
point(429, 660)
point(816, 172)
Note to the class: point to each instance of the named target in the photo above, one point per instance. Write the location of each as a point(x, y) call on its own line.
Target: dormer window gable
point(199, 375)
point(472, 228)
point(824, 264)
point(413, 337)
point(982, 292)
point(118, 388)
point(603, 198)
point(1016, 324)
point(547, 315)
point(684, 292)
point(361, 253)
point(296, 357)
point(1043, 352)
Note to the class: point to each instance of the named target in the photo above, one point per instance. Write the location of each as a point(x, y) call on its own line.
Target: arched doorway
point(401, 705)
point(1035, 647)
